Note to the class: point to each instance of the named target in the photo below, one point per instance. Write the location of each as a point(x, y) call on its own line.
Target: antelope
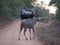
point(28, 23)
point(27, 13)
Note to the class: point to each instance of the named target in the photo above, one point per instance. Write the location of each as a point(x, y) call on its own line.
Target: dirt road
point(9, 36)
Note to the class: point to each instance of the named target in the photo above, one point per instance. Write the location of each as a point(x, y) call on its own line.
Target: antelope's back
point(27, 13)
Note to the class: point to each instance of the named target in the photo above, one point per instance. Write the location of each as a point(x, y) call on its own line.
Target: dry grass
point(49, 34)
point(5, 23)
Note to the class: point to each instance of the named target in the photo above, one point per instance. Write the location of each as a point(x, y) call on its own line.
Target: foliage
point(49, 35)
point(57, 3)
point(11, 8)
point(43, 14)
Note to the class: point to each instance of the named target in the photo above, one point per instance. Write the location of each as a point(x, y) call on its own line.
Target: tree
point(57, 3)
point(10, 8)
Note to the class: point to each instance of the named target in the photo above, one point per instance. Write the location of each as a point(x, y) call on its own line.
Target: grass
point(50, 35)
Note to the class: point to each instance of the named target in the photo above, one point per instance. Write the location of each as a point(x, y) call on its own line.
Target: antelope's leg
point(30, 33)
point(33, 33)
point(19, 33)
point(25, 34)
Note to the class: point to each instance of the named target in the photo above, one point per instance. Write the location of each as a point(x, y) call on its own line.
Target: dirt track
point(9, 36)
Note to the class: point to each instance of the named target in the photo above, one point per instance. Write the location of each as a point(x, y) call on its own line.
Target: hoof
point(33, 37)
point(30, 38)
point(26, 39)
point(18, 38)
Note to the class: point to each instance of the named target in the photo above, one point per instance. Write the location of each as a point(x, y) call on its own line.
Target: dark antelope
point(27, 13)
point(28, 23)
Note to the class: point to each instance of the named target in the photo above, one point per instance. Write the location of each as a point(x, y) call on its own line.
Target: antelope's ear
point(36, 15)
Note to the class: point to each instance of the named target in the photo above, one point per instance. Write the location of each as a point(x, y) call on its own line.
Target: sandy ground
point(9, 36)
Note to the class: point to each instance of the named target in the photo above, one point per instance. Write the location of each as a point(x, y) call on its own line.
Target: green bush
point(11, 8)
